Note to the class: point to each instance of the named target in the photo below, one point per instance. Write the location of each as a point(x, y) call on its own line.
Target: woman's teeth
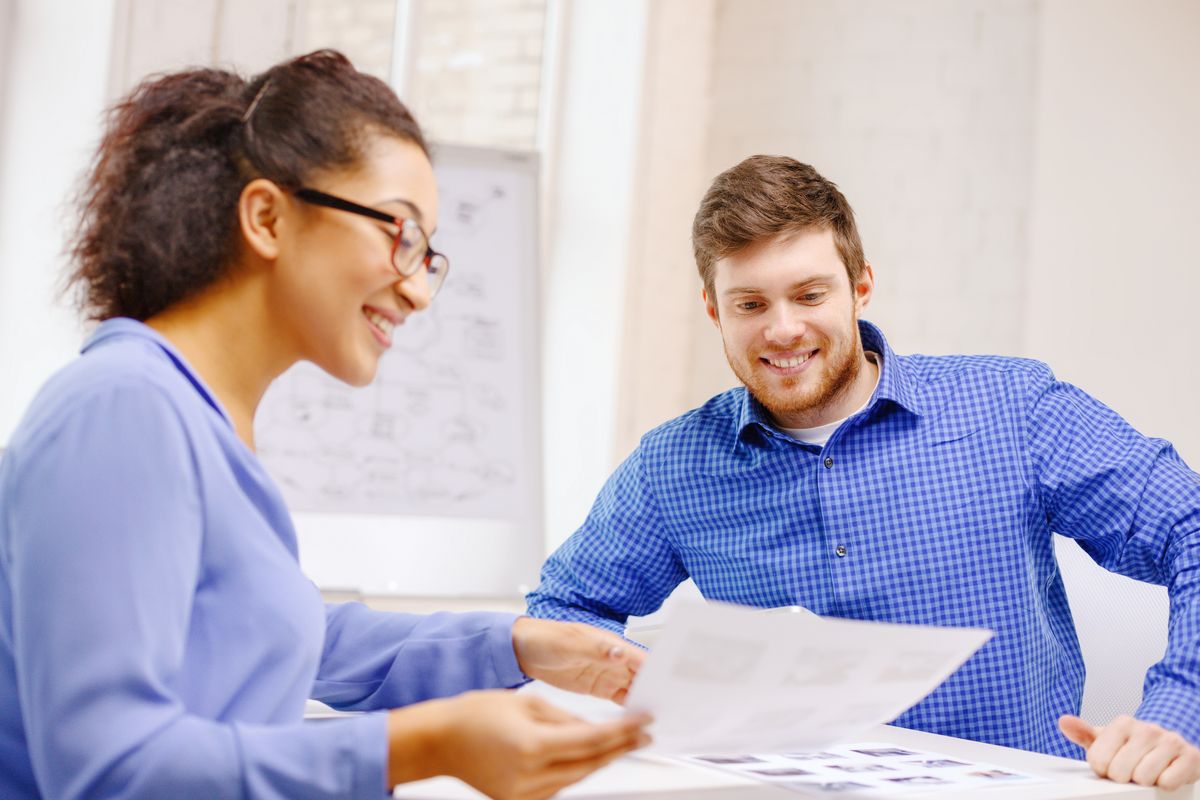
point(379, 321)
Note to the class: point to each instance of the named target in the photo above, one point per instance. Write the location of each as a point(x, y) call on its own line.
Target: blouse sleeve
point(374, 659)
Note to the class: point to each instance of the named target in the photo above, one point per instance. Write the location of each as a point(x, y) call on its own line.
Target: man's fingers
point(1185, 769)
point(1138, 745)
point(1109, 739)
point(628, 654)
point(1078, 731)
point(610, 647)
point(1153, 764)
point(1127, 750)
point(612, 681)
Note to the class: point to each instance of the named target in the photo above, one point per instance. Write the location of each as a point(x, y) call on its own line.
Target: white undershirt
point(820, 434)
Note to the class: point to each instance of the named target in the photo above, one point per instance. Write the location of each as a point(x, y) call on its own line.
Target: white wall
point(1114, 274)
point(68, 61)
point(922, 112)
point(48, 129)
point(661, 299)
point(591, 219)
point(151, 36)
point(7, 11)
point(1020, 189)
point(1022, 172)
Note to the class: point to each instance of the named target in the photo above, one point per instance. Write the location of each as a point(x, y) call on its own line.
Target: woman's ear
point(261, 207)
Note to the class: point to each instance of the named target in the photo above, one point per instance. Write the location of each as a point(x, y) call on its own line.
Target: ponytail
point(158, 207)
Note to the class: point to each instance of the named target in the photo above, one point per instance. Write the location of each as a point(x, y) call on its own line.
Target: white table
point(639, 778)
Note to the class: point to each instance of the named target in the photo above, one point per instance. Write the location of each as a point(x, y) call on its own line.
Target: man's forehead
point(810, 240)
point(796, 259)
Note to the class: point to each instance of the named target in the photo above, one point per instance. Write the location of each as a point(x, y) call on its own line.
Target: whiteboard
point(428, 482)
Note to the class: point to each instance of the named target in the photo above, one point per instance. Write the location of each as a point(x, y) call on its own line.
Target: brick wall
point(474, 74)
point(363, 30)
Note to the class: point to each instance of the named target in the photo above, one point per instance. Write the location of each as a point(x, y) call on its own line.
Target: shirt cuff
point(370, 739)
point(1174, 708)
point(504, 658)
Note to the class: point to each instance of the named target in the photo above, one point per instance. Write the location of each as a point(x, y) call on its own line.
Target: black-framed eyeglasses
point(410, 250)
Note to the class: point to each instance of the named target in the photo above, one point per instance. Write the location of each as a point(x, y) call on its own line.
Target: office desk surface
point(638, 778)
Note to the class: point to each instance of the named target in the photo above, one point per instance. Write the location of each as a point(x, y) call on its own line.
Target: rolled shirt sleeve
point(619, 563)
point(1134, 506)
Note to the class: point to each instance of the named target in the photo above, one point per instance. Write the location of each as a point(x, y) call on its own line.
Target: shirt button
point(840, 550)
point(828, 462)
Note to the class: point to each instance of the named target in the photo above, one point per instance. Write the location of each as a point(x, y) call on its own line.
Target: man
point(910, 489)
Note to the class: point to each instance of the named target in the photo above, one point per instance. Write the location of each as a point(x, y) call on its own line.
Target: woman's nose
point(415, 290)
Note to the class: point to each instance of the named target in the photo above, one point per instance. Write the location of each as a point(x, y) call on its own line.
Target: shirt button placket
point(840, 550)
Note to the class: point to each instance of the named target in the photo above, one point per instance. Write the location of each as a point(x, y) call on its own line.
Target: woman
point(157, 638)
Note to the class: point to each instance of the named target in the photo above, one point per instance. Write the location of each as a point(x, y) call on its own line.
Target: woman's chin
point(357, 373)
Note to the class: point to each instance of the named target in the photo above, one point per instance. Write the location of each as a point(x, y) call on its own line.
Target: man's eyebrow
point(412, 207)
point(794, 287)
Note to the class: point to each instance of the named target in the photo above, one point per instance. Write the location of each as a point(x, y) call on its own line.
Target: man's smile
point(789, 363)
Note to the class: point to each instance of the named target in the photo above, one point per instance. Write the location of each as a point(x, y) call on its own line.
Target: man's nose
point(785, 324)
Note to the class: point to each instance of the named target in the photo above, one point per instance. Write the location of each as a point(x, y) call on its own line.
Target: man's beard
point(783, 398)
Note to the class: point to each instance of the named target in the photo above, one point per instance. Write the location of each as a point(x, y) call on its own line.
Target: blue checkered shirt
point(944, 492)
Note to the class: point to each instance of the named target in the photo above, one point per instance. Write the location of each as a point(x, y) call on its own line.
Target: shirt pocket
point(970, 478)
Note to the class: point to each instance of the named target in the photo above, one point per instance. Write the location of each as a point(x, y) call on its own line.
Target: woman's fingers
point(583, 740)
point(557, 776)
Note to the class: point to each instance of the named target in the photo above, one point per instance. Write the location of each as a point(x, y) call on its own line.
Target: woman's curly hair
point(158, 206)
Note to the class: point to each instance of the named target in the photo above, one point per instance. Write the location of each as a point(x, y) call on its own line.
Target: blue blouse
point(157, 637)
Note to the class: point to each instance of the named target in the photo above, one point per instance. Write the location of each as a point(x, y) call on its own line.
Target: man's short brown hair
point(765, 197)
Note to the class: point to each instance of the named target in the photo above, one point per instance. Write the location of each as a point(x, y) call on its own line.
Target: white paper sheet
point(726, 679)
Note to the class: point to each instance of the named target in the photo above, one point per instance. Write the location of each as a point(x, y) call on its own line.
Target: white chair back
point(1122, 625)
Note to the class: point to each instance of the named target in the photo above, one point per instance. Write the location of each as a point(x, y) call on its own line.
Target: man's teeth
point(378, 320)
point(788, 363)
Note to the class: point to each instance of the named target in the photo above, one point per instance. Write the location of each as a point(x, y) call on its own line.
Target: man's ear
point(864, 288)
point(261, 207)
point(710, 308)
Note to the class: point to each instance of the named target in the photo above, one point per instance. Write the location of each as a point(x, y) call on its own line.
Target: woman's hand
point(509, 746)
point(577, 657)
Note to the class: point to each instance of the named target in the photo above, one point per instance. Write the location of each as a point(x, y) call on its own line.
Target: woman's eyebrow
point(416, 212)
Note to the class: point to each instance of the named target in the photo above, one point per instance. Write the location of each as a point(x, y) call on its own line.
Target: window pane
point(475, 66)
point(364, 30)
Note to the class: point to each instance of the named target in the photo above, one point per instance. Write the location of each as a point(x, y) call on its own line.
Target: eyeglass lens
point(412, 252)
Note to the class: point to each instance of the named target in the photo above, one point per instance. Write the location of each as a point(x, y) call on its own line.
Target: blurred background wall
point(1024, 172)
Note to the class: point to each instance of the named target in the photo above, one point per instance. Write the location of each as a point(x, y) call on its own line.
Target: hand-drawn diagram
point(444, 429)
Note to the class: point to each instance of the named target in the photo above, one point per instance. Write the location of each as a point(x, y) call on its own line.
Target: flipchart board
point(428, 482)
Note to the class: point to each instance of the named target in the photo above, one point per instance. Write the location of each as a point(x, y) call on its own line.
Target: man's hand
point(1128, 750)
point(577, 657)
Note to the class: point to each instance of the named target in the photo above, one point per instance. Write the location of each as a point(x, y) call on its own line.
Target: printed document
point(727, 679)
